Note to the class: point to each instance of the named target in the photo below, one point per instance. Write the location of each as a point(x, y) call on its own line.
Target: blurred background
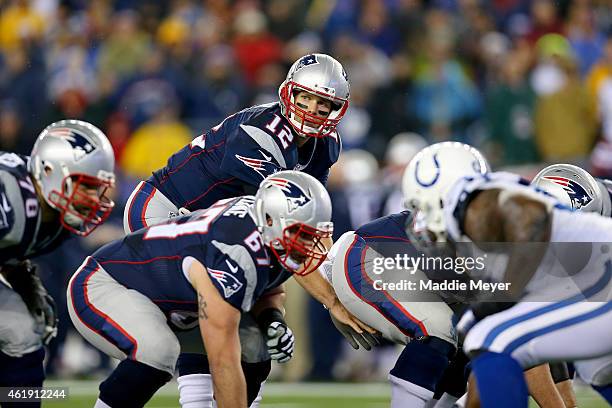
point(527, 82)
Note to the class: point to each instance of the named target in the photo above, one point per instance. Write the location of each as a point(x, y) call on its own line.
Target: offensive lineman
point(231, 159)
point(423, 325)
point(504, 338)
point(215, 263)
point(60, 188)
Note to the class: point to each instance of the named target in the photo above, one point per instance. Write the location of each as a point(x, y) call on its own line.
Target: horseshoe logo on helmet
point(435, 178)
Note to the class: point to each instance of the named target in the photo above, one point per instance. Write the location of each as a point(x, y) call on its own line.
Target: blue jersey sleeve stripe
point(94, 319)
point(592, 291)
point(607, 307)
point(388, 307)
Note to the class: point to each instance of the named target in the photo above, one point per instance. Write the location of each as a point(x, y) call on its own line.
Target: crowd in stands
point(526, 81)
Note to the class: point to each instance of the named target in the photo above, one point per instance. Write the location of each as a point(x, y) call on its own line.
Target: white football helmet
point(430, 175)
point(292, 211)
point(321, 75)
point(66, 155)
point(575, 188)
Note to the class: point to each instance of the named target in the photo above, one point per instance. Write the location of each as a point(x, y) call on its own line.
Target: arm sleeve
point(12, 212)
point(227, 277)
point(230, 265)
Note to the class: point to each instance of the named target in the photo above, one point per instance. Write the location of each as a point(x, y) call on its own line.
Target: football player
point(231, 159)
point(213, 264)
point(423, 324)
point(296, 133)
point(576, 188)
point(60, 188)
point(549, 311)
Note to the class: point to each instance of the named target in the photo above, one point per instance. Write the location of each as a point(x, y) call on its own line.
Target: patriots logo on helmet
point(81, 146)
point(577, 194)
point(228, 282)
point(306, 60)
point(296, 197)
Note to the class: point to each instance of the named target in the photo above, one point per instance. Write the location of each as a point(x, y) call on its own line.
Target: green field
point(281, 395)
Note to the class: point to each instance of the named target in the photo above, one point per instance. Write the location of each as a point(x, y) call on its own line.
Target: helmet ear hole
point(47, 168)
point(269, 220)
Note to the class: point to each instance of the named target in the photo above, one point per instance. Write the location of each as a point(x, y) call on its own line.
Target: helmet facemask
point(72, 163)
point(301, 249)
point(82, 212)
point(292, 211)
point(302, 121)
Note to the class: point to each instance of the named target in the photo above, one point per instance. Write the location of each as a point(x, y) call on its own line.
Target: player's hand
point(279, 337)
point(367, 340)
point(339, 312)
point(49, 316)
point(280, 341)
point(24, 280)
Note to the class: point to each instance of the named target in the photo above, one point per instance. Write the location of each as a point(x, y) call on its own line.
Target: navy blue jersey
point(241, 151)
point(223, 238)
point(22, 233)
point(387, 235)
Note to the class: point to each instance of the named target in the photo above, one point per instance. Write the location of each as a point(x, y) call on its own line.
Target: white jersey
point(566, 269)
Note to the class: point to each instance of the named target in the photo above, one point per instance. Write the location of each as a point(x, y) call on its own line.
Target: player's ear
point(269, 221)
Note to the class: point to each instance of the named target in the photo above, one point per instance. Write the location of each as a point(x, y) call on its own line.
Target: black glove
point(279, 337)
point(24, 280)
point(367, 340)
